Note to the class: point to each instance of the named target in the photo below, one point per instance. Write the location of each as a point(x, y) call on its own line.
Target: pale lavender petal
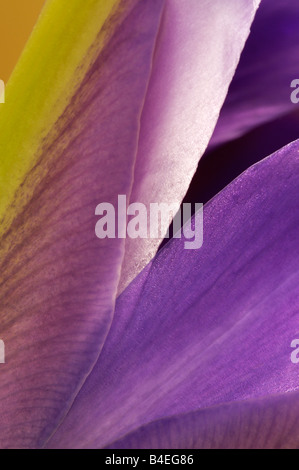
point(199, 328)
point(197, 52)
point(59, 281)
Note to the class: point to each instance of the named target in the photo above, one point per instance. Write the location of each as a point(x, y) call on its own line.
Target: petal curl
point(269, 423)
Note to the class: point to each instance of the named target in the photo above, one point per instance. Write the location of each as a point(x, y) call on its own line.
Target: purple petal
point(260, 90)
point(58, 280)
point(270, 423)
point(199, 328)
point(197, 52)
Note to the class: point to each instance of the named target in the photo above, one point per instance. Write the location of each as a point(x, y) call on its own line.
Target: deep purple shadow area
point(220, 166)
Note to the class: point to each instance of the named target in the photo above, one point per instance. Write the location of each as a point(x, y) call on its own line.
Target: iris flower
point(112, 343)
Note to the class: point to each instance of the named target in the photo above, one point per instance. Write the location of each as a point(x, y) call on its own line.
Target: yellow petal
point(62, 46)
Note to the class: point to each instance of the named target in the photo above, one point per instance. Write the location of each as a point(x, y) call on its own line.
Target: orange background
point(17, 19)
